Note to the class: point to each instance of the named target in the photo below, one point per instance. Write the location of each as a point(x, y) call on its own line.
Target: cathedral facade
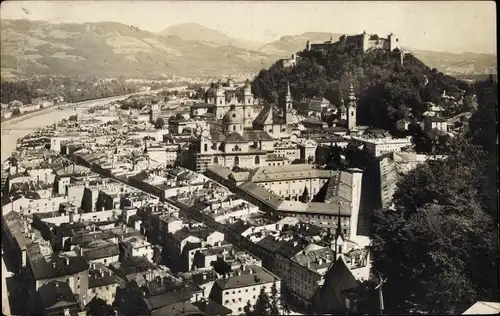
point(239, 137)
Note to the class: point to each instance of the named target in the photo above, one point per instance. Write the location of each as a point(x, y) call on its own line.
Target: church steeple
point(288, 106)
point(288, 98)
point(351, 109)
point(247, 92)
point(339, 237)
point(342, 108)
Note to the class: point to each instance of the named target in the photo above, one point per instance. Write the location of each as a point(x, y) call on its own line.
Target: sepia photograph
point(249, 158)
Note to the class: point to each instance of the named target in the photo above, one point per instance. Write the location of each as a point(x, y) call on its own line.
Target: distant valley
point(109, 49)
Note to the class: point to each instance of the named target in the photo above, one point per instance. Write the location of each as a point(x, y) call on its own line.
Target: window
point(216, 160)
point(236, 161)
point(257, 160)
point(205, 147)
point(239, 308)
point(234, 128)
point(226, 302)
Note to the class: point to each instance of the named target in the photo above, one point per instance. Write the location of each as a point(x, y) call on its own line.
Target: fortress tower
point(393, 42)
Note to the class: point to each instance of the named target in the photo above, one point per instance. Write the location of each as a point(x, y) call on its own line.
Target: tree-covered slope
point(387, 91)
point(438, 247)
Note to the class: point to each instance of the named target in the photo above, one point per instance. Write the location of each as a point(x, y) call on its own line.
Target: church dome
point(233, 116)
point(211, 92)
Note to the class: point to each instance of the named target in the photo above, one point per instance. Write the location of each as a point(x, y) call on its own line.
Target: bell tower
point(288, 105)
point(247, 92)
point(351, 109)
point(220, 97)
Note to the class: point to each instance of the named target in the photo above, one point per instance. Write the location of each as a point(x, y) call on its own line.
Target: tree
point(439, 215)
point(262, 305)
point(159, 123)
point(16, 112)
point(275, 301)
point(99, 307)
point(248, 309)
point(387, 91)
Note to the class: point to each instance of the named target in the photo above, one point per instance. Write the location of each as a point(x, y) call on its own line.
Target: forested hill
point(386, 90)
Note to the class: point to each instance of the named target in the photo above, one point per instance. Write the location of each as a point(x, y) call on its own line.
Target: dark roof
point(337, 279)
point(264, 114)
point(270, 244)
point(212, 308)
point(292, 247)
point(132, 265)
point(158, 301)
point(239, 226)
point(96, 280)
point(254, 135)
point(58, 266)
point(258, 276)
point(101, 252)
point(336, 128)
point(178, 309)
point(203, 105)
point(312, 121)
point(56, 292)
point(234, 138)
point(185, 232)
point(70, 229)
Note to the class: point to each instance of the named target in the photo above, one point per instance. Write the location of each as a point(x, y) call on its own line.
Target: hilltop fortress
point(364, 41)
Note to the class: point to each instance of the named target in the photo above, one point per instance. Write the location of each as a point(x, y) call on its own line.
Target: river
point(11, 131)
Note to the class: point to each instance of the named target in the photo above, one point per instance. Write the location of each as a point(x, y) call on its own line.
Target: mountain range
point(109, 49)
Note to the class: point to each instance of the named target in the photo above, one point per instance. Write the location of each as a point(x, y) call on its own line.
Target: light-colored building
point(378, 146)
point(292, 182)
point(135, 246)
point(243, 286)
point(102, 284)
point(435, 123)
point(235, 142)
point(364, 41)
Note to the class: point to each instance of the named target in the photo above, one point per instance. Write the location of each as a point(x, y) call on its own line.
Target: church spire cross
point(288, 88)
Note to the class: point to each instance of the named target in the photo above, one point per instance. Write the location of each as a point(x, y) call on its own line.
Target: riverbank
point(17, 118)
point(13, 130)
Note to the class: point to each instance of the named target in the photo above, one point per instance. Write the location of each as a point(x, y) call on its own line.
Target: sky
point(453, 26)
